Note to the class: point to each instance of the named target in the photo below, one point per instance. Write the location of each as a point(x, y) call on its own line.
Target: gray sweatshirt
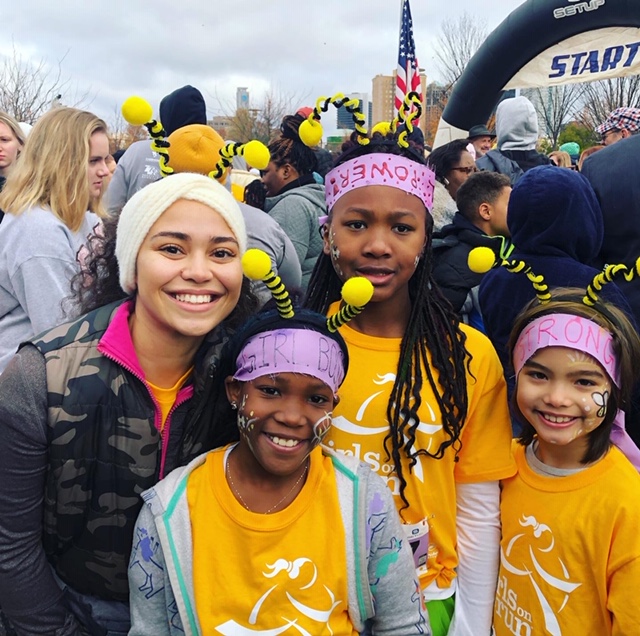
point(297, 211)
point(39, 255)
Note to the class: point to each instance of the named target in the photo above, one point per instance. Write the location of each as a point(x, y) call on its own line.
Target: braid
point(288, 148)
point(433, 342)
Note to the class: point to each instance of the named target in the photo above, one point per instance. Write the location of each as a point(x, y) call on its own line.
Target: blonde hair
point(563, 159)
point(52, 171)
point(13, 125)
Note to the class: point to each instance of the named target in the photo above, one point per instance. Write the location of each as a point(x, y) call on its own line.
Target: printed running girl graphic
point(540, 547)
point(293, 570)
point(426, 428)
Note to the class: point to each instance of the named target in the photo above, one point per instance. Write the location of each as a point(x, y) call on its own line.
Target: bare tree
point(600, 98)
point(123, 134)
point(262, 121)
point(28, 89)
point(556, 107)
point(456, 44)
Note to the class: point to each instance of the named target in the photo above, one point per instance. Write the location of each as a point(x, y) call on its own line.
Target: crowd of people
point(390, 391)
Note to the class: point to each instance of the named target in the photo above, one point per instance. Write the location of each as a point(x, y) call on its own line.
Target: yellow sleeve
point(486, 434)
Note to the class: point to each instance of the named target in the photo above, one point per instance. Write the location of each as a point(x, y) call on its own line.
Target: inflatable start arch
point(544, 43)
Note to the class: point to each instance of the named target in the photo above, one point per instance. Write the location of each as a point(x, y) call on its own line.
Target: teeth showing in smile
point(287, 443)
point(557, 420)
point(193, 298)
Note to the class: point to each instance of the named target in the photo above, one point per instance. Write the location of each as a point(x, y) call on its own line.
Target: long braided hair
point(433, 344)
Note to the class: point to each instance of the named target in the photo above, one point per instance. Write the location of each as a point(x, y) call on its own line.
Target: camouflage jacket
point(104, 448)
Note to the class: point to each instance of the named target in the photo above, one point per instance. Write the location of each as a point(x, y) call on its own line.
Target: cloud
point(124, 47)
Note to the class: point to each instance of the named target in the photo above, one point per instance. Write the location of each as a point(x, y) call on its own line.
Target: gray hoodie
point(161, 567)
point(297, 211)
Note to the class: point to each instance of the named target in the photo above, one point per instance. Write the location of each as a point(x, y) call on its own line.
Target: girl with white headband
point(276, 534)
point(424, 402)
point(570, 558)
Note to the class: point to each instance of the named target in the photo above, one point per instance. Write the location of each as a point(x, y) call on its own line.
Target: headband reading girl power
point(380, 169)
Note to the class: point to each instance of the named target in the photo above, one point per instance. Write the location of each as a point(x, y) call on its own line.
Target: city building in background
point(242, 97)
point(383, 90)
point(344, 120)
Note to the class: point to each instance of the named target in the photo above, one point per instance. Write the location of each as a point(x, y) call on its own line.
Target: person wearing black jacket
point(481, 220)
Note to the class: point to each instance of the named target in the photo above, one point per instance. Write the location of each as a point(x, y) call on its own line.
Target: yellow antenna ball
point(137, 111)
point(256, 154)
point(357, 291)
point(310, 132)
point(382, 127)
point(256, 264)
point(481, 259)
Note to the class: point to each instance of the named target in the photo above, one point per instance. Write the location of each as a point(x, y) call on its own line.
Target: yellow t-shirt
point(360, 425)
point(570, 551)
point(166, 398)
point(263, 572)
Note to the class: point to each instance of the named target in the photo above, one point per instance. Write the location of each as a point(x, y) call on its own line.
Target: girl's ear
point(326, 248)
point(233, 389)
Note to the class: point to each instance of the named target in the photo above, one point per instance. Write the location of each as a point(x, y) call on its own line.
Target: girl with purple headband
point(275, 533)
point(424, 401)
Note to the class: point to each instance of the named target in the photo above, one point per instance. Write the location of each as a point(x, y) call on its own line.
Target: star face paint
point(563, 394)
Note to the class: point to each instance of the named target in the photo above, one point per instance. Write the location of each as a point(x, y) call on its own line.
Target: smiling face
point(281, 419)
point(188, 272)
point(482, 145)
point(98, 170)
point(378, 232)
point(563, 394)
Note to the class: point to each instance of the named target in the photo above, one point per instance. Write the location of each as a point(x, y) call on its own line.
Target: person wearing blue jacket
point(557, 228)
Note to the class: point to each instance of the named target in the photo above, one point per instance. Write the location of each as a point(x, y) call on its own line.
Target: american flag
point(408, 76)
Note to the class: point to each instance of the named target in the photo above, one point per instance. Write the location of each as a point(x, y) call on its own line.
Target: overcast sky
point(117, 48)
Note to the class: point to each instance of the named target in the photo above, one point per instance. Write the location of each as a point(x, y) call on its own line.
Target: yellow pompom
point(357, 291)
point(256, 154)
point(256, 264)
point(481, 259)
point(382, 127)
point(137, 111)
point(310, 132)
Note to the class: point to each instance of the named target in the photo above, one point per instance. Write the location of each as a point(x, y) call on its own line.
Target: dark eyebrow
point(181, 236)
point(399, 214)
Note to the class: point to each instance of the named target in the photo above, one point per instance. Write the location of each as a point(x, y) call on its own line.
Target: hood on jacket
point(516, 124)
point(444, 207)
point(183, 107)
point(555, 212)
point(314, 192)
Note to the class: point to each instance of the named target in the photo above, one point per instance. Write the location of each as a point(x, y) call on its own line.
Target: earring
point(234, 406)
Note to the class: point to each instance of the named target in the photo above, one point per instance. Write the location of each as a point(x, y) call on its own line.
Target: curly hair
point(433, 343)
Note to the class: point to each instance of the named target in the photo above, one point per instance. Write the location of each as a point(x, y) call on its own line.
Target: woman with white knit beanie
point(97, 410)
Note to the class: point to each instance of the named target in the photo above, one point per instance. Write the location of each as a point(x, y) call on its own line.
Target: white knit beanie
point(147, 205)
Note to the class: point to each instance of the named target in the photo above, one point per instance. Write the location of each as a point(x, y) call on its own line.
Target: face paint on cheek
point(321, 428)
point(245, 420)
point(334, 252)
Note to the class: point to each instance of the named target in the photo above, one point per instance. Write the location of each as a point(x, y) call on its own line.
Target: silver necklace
point(244, 503)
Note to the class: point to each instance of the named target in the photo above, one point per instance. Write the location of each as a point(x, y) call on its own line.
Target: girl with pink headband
point(570, 549)
point(275, 533)
point(424, 401)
